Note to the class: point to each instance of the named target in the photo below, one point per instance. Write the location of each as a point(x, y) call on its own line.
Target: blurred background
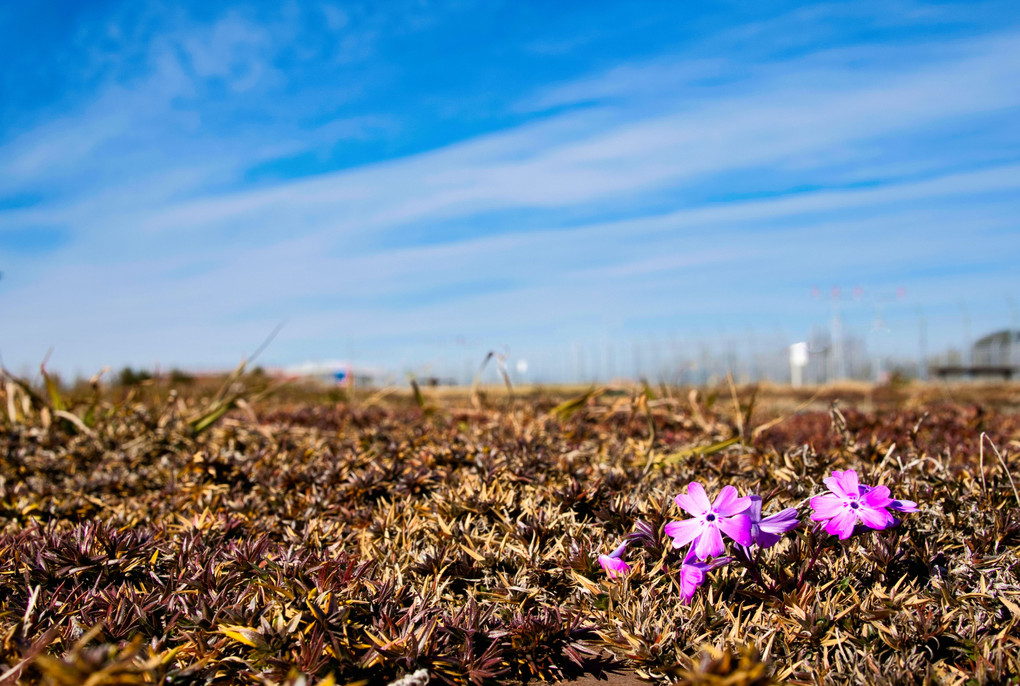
point(792, 192)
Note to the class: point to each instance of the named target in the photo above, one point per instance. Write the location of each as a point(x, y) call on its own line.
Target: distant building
point(999, 349)
point(996, 355)
point(338, 373)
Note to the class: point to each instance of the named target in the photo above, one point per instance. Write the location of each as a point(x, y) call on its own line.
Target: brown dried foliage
point(297, 542)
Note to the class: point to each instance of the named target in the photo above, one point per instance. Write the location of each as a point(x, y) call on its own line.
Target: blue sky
point(413, 183)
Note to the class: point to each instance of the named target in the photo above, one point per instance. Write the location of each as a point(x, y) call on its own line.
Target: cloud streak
point(636, 189)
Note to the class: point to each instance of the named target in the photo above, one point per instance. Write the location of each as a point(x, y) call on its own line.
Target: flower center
point(854, 505)
point(710, 517)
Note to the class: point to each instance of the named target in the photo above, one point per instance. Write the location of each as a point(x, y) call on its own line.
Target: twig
point(265, 344)
point(1005, 467)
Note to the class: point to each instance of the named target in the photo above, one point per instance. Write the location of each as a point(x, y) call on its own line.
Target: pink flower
point(766, 532)
point(711, 520)
point(847, 503)
point(898, 505)
point(613, 563)
point(694, 573)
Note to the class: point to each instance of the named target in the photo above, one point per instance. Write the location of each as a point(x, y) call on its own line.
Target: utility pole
point(578, 356)
point(881, 329)
point(839, 362)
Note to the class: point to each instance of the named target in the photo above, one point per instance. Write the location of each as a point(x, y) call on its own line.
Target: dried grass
point(297, 542)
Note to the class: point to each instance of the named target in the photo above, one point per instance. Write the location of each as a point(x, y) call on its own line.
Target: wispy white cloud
point(167, 119)
point(788, 128)
point(230, 50)
point(757, 179)
point(336, 297)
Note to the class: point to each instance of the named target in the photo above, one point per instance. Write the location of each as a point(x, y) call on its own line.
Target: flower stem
point(753, 568)
point(818, 545)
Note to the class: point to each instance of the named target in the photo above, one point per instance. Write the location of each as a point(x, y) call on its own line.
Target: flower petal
point(826, 506)
point(754, 510)
point(691, 578)
point(715, 564)
point(835, 484)
point(613, 566)
point(726, 496)
point(685, 503)
point(842, 525)
point(709, 544)
point(875, 517)
point(781, 522)
point(727, 503)
point(876, 497)
point(903, 505)
point(764, 539)
point(697, 498)
point(683, 532)
point(737, 527)
point(849, 481)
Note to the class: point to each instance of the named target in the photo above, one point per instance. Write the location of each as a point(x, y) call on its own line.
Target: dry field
point(179, 536)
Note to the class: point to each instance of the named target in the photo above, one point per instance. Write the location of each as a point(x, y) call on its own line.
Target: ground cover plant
point(185, 535)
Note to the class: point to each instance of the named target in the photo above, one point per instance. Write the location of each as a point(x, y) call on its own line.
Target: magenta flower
point(725, 516)
point(766, 532)
point(694, 573)
point(898, 505)
point(613, 563)
point(847, 503)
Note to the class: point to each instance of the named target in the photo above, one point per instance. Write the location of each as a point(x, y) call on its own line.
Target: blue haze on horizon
point(413, 183)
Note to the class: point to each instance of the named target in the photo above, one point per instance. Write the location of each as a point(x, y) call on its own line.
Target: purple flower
point(766, 532)
point(898, 505)
point(613, 563)
point(846, 504)
point(711, 520)
point(694, 573)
